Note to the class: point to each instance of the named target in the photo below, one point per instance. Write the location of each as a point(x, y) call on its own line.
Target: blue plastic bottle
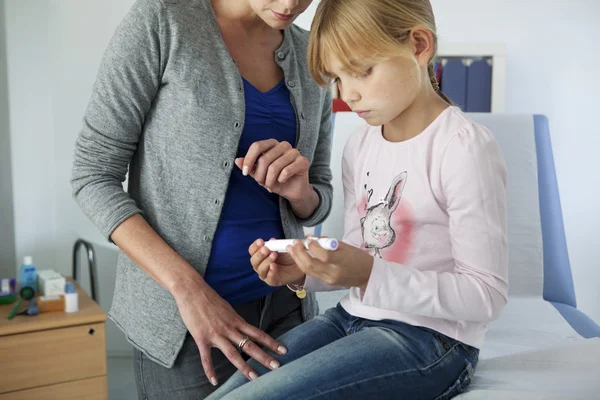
point(28, 274)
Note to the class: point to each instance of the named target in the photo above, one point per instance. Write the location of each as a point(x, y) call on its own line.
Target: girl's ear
point(422, 43)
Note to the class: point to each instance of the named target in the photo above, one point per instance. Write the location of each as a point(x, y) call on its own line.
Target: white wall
point(7, 230)
point(31, 131)
point(54, 48)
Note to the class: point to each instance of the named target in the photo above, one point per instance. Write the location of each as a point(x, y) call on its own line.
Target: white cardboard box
point(50, 283)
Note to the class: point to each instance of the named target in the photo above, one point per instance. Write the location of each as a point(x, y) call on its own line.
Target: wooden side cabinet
point(54, 355)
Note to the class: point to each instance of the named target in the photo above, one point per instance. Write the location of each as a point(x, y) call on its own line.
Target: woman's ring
point(243, 342)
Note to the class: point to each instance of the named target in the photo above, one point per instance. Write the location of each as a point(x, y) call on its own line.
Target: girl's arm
point(474, 185)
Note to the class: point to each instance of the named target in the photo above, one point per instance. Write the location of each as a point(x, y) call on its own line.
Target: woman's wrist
point(305, 205)
point(187, 282)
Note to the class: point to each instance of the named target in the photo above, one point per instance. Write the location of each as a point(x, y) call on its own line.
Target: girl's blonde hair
point(361, 32)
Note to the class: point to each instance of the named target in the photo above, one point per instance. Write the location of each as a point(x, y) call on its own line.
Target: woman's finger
point(239, 162)
point(260, 355)
point(263, 339)
point(234, 356)
point(278, 166)
point(207, 365)
point(256, 150)
point(299, 165)
point(265, 161)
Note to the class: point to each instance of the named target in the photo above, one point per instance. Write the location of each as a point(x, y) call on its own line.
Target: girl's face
point(382, 90)
point(279, 14)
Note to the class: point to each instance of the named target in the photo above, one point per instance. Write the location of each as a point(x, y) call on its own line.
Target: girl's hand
point(276, 269)
point(279, 168)
point(347, 266)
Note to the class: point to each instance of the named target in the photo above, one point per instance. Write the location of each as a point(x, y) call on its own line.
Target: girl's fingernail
point(282, 350)
point(214, 381)
point(264, 250)
point(245, 170)
point(253, 375)
point(274, 364)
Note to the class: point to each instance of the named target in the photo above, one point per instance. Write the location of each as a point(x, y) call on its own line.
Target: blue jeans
point(339, 356)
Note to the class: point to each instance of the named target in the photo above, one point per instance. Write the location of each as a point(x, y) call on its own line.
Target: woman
point(211, 108)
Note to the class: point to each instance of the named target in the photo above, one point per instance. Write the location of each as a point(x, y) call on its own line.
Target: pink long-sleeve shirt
point(432, 212)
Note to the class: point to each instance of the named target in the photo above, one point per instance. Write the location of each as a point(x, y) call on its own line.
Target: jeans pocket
point(460, 385)
point(445, 343)
point(472, 352)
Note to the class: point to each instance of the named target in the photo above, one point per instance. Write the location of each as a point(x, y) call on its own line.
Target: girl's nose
point(349, 95)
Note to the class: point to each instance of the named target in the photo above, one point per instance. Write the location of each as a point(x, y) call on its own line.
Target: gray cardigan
point(168, 104)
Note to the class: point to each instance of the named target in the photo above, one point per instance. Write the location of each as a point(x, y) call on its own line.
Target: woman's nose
point(291, 4)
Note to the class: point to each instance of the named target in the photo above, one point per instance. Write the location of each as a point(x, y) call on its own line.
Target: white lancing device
point(282, 244)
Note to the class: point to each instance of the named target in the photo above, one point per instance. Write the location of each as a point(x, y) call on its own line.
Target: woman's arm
point(316, 208)
point(126, 85)
point(281, 169)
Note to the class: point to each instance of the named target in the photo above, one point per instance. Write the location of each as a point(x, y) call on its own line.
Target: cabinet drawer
point(85, 389)
point(30, 360)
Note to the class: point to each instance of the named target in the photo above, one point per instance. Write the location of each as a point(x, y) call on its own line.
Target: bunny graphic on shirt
point(376, 225)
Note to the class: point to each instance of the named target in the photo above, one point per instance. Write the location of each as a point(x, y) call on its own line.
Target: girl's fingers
point(254, 247)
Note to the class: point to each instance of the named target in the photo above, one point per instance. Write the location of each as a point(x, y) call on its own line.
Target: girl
point(190, 93)
point(425, 248)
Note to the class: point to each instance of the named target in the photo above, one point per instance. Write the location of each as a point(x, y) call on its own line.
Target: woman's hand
point(212, 322)
point(348, 266)
point(276, 269)
point(279, 168)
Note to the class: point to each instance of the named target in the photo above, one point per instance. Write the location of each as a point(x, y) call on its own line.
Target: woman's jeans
point(276, 314)
point(339, 356)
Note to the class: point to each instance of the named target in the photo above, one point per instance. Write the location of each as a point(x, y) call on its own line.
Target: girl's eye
point(366, 73)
